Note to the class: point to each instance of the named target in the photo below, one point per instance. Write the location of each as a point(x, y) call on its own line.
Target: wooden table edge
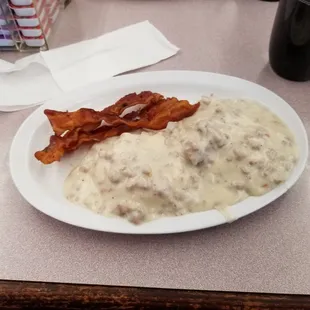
point(43, 295)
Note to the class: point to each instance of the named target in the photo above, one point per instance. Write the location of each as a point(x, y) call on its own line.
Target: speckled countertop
point(265, 252)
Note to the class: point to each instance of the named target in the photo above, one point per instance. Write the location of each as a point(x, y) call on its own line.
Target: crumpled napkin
point(42, 76)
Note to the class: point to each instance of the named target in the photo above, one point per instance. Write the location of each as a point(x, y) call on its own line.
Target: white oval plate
point(42, 186)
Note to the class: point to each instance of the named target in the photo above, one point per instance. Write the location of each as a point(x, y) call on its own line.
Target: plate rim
point(218, 217)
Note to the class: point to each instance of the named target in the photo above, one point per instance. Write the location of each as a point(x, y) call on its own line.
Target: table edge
point(45, 295)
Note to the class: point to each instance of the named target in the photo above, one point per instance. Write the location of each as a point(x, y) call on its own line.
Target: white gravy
point(228, 150)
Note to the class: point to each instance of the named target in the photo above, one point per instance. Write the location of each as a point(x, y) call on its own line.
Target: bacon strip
point(156, 113)
point(63, 121)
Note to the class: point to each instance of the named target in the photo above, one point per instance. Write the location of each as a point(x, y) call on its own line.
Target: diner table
point(261, 261)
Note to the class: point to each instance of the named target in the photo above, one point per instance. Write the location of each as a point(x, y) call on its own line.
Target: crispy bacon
point(63, 121)
point(72, 129)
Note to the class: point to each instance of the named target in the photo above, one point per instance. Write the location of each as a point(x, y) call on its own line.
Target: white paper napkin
point(36, 78)
point(26, 87)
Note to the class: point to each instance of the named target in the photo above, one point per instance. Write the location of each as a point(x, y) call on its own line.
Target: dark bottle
point(289, 49)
